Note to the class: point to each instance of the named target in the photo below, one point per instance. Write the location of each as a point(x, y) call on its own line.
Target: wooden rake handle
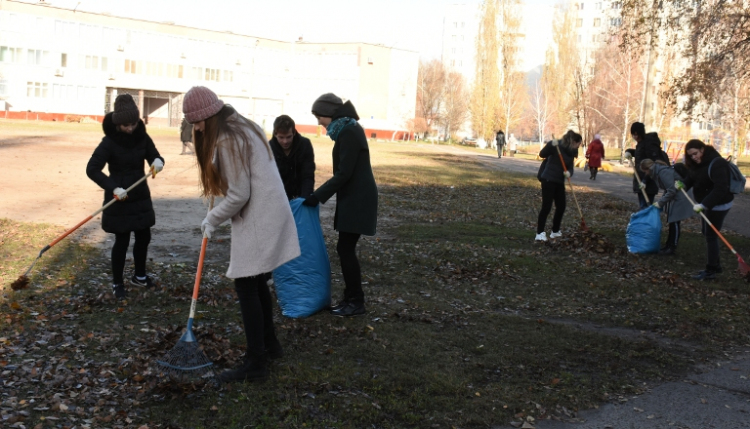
point(565, 169)
point(709, 223)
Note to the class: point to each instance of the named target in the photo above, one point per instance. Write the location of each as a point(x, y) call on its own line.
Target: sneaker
point(705, 275)
point(542, 236)
point(119, 290)
point(142, 283)
point(557, 234)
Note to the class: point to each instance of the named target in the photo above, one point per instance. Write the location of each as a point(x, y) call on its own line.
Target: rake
point(23, 280)
point(742, 265)
point(565, 169)
point(187, 361)
point(642, 188)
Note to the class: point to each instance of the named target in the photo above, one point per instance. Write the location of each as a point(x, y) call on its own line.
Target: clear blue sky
point(408, 24)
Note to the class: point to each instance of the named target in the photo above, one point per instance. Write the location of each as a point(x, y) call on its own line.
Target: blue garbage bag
point(303, 285)
point(644, 231)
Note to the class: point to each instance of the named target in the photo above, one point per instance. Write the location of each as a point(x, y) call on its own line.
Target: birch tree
point(511, 82)
point(430, 92)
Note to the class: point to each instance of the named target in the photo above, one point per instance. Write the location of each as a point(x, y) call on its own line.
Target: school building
point(60, 64)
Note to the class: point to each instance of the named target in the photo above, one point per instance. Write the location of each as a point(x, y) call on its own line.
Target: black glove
point(311, 201)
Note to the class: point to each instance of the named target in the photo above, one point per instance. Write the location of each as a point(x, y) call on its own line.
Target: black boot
point(273, 348)
point(252, 369)
point(349, 309)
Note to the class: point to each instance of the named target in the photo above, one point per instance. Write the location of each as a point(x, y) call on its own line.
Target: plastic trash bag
point(303, 285)
point(644, 231)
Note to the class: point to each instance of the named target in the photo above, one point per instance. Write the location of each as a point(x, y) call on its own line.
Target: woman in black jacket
point(124, 148)
point(709, 178)
point(553, 176)
point(356, 194)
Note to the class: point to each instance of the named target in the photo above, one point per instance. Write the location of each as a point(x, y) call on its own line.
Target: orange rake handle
point(91, 216)
point(199, 273)
point(712, 225)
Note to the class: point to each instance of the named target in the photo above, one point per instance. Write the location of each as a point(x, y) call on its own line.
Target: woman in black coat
point(709, 177)
point(553, 176)
point(356, 193)
point(124, 148)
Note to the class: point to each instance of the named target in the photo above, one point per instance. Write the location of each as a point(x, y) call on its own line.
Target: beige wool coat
point(264, 235)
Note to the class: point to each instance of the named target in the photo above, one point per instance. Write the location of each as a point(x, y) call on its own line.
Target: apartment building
point(57, 62)
point(460, 27)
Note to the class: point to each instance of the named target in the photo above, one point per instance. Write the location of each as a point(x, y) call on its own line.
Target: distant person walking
point(356, 194)
point(186, 135)
point(673, 202)
point(709, 178)
point(553, 176)
point(124, 148)
point(500, 142)
point(595, 155)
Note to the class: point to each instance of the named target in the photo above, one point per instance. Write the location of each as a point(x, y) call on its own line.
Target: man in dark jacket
point(648, 146)
point(186, 135)
point(295, 158)
point(500, 143)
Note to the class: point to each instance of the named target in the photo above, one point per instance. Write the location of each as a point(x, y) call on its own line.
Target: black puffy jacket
point(552, 170)
point(297, 169)
point(710, 190)
point(124, 154)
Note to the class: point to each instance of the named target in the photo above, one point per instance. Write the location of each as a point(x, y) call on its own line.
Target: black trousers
point(256, 306)
point(140, 253)
point(551, 192)
point(347, 250)
point(674, 235)
point(713, 263)
point(594, 170)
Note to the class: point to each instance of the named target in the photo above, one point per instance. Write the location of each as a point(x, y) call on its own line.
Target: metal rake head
point(187, 362)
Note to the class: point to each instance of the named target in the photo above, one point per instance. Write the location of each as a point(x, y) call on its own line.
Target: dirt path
point(44, 181)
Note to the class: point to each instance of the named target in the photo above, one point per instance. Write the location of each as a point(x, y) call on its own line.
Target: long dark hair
point(232, 129)
point(569, 138)
point(695, 144)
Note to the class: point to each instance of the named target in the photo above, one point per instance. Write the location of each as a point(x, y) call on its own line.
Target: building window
point(228, 76)
point(63, 60)
point(10, 55)
point(616, 5)
point(581, 6)
point(597, 22)
point(36, 90)
point(579, 22)
point(455, 25)
point(615, 22)
point(3, 88)
point(36, 57)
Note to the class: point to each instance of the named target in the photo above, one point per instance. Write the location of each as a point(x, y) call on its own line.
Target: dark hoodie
point(124, 154)
point(552, 170)
point(648, 148)
point(352, 181)
point(710, 190)
point(297, 169)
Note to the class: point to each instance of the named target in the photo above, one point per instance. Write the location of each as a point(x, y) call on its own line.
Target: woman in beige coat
point(236, 162)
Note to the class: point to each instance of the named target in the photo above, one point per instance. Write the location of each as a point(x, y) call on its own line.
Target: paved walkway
point(618, 185)
point(711, 397)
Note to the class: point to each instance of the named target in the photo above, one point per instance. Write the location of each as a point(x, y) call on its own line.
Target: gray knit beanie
point(126, 111)
point(326, 105)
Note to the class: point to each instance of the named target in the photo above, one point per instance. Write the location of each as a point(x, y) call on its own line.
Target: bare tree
point(540, 108)
point(455, 104)
point(430, 92)
point(485, 94)
point(562, 62)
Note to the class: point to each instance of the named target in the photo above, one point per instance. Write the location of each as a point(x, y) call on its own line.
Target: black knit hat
point(326, 105)
point(126, 111)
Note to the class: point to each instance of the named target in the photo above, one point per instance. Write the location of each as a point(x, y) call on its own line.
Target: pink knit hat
point(200, 103)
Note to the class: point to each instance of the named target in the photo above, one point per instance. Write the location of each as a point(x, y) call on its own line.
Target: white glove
point(698, 208)
point(156, 167)
point(555, 142)
point(641, 185)
point(120, 194)
point(207, 229)
point(566, 174)
point(657, 205)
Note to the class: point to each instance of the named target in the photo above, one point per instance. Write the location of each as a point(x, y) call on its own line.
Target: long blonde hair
point(232, 128)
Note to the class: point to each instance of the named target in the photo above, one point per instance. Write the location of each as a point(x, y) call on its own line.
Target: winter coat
point(648, 148)
point(297, 169)
point(595, 153)
point(186, 131)
point(676, 205)
point(264, 235)
point(553, 170)
point(352, 181)
point(124, 154)
point(714, 190)
point(500, 139)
